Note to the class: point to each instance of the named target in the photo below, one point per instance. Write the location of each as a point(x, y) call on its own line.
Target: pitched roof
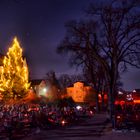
point(136, 90)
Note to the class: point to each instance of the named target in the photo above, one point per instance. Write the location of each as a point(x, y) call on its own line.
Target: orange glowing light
point(118, 117)
point(137, 101)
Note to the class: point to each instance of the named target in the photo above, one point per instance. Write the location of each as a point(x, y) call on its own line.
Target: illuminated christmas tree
point(14, 73)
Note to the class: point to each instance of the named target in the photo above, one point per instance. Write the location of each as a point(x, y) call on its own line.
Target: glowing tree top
point(14, 74)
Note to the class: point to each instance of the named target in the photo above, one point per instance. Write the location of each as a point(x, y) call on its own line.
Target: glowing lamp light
point(99, 95)
point(78, 107)
point(137, 101)
point(91, 112)
point(129, 97)
point(120, 93)
point(63, 122)
point(45, 90)
point(118, 117)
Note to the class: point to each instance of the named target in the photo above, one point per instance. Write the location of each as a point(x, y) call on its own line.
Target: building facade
point(80, 93)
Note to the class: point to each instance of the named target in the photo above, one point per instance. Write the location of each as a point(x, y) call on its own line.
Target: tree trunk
point(102, 102)
point(97, 102)
point(112, 93)
point(111, 106)
point(97, 96)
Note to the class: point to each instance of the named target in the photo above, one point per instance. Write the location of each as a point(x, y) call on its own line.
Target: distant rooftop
point(136, 90)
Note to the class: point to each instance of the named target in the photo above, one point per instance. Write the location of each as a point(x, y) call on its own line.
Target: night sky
point(39, 25)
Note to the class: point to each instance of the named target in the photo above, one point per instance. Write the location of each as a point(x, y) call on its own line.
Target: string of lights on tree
point(14, 73)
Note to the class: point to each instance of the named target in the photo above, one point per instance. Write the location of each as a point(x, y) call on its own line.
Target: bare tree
point(65, 81)
point(111, 39)
point(119, 38)
point(52, 79)
point(80, 41)
point(52, 86)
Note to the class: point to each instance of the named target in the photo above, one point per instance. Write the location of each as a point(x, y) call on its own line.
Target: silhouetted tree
point(52, 86)
point(111, 38)
point(76, 78)
point(77, 41)
point(52, 79)
point(64, 81)
point(118, 37)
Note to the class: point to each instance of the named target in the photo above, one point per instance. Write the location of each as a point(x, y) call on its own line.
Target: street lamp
point(44, 90)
